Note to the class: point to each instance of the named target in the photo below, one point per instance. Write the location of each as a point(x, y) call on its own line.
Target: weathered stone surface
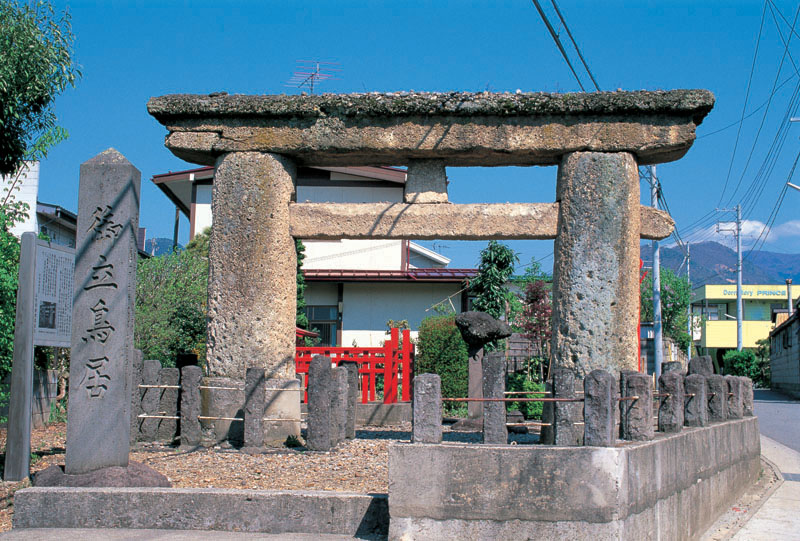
point(747, 397)
point(427, 407)
point(546, 435)
point(695, 411)
point(353, 397)
point(98, 427)
point(136, 392)
point(20, 406)
point(282, 402)
point(701, 365)
point(595, 275)
point(319, 435)
point(252, 267)
point(278, 512)
point(629, 492)
point(672, 366)
point(478, 328)
point(636, 416)
point(221, 401)
point(339, 402)
point(599, 409)
point(735, 399)
point(462, 128)
point(671, 407)
point(148, 428)
point(566, 414)
point(168, 405)
point(515, 417)
point(255, 396)
point(134, 474)
point(426, 182)
point(537, 221)
point(191, 434)
point(494, 386)
point(717, 394)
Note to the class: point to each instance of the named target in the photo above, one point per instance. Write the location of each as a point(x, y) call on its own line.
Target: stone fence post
point(695, 411)
point(191, 433)
point(717, 391)
point(599, 408)
point(635, 414)
point(426, 422)
point(565, 414)
point(734, 396)
point(494, 386)
point(671, 407)
point(320, 388)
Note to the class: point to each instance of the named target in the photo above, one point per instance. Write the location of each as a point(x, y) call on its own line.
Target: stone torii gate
point(597, 141)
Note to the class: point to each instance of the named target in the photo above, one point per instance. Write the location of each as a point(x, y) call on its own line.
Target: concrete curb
point(262, 511)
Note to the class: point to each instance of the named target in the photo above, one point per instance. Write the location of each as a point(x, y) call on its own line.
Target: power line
point(746, 99)
point(574, 44)
point(558, 42)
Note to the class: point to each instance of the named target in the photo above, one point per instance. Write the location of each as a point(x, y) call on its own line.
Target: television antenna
point(310, 73)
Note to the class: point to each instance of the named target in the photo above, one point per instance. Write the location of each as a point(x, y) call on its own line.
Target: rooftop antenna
point(310, 73)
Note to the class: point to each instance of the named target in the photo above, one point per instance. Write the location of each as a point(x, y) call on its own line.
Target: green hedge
point(441, 350)
point(521, 382)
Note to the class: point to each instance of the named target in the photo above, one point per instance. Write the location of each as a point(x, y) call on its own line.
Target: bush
point(442, 351)
point(746, 363)
point(521, 382)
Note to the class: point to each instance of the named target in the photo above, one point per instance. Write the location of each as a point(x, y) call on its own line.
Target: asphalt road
point(778, 417)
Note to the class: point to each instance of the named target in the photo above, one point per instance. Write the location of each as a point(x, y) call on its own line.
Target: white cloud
point(787, 234)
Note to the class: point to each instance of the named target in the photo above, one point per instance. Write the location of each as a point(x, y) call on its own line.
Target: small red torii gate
point(393, 362)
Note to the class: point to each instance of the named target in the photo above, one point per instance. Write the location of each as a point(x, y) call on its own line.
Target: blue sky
point(130, 51)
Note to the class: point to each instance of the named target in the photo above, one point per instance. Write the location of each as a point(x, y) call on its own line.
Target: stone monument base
point(135, 475)
point(673, 487)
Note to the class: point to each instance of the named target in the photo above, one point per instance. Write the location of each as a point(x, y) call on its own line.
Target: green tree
point(676, 293)
point(441, 350)
point(10, 214)
point(301, 318)
point(490, 286)
point(171, 297)
point(36, 65)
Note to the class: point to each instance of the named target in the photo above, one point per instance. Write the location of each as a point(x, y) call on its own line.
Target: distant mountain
point(714, 263)
point(159, 246)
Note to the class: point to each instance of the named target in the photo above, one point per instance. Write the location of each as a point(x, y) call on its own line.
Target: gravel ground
point(359, 465)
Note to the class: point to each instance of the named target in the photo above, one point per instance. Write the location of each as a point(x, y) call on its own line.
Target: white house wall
point(202, 211)
point(368, 306)
point(784, 359)
point(353, 254)
point(28, 192)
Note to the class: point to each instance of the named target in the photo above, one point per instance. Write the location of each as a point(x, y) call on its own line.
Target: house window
point(325, 321)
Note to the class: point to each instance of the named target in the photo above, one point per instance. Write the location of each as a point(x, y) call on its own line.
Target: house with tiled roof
point(354, 286)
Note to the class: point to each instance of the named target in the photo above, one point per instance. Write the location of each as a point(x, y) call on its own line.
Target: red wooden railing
point(393, 363)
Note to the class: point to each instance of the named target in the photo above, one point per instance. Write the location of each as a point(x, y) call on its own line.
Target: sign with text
point(54, 275)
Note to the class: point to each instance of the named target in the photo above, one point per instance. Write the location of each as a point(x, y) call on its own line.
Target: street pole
point(689, 324)
point(789, 295)
point(658, 345)
point(739, 277)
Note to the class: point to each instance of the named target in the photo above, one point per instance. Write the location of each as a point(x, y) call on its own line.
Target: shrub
point(746, 363)
point(521, 382)
point(442, 351)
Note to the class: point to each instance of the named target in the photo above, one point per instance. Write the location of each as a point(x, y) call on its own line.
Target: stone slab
point(747, 396)
point(636, 416)
point(20, 407)
point(701, 365)
point(717, 394)
point(340, 397)
point(222, 402)
point(168, 405)
point(353, 397)
point(190, 431)
point(377, 414)
point(482, 221)
point(735, 398)
point(427, 409)
point(148, 428)
point(102, 352)
point(136, 393)
point(695, 412)
point(282, 402)
point(254, 404)
point(276, 512)
point(672, 402)
point(566, 415)
point(600, 409)
point(672, 487)
point(494, 386)
point(319, 434)
point(135, 474)
point(481, 129)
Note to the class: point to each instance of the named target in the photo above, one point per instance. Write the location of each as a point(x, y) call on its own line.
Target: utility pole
point(738, 232)
point(789, 295)
point(658, 341)
point(739, 310)
point(689, 279)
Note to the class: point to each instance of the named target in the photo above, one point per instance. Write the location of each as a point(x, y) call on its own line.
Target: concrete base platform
point(124, 534)
point(673, 487)
point(272, 512)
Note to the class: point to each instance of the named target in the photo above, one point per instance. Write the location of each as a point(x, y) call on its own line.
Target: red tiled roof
point(411, 275)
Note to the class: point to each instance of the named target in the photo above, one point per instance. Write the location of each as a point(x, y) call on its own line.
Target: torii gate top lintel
point(463, 129)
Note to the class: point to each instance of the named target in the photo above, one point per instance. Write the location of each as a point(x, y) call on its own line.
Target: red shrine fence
point(391, 365)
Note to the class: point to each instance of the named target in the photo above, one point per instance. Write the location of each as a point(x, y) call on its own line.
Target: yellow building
point(714, 315)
